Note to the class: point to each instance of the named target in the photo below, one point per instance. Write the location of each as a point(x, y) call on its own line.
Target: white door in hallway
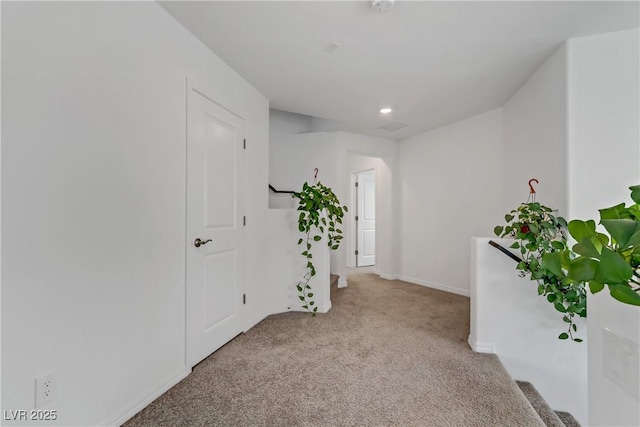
point(366, 218)
point(214, 259)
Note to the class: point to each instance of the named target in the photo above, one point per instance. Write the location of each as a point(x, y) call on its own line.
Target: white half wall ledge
point(342, 282)
point(438, 286)
point(388, 276)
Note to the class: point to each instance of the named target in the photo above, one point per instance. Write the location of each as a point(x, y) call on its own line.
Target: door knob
point(198, 242)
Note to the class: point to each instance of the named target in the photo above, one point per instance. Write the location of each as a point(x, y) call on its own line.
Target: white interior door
point(366, 218)
point(214, 226)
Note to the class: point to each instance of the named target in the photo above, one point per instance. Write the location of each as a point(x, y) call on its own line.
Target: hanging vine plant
point(539, 236)
point(320, 211)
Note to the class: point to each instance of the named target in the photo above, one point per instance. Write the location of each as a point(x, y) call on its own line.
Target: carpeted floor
point(387, 353)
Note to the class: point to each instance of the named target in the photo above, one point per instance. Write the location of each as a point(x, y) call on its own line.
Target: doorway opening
point(364, 218)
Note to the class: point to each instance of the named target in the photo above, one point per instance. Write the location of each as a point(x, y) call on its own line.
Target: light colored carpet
point(550, 417)
point(388, 353)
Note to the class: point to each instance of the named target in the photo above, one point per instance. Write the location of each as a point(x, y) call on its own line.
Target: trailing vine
point(541, 238)
point(320, 210)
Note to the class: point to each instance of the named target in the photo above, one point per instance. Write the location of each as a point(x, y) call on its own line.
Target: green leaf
point(577, 340)
point(575, 328)
point(620, 230)
point(560, 307)
point(553, 262)
point(586, 248)
point(508, 217)
point(595, 287)
point(582, 229)
point(516, 245)
point(309, 294)
point(317, 238)
point(552, 297)
point(625, 294)
point(300, 241)
point(582, 269)
point(299, 288)
point(498, 230)
point(635, 193)
point(613, 269)
point(315, 309)
point(557, 244)
point(614, 212)
point(563, 336)
point(301, 297)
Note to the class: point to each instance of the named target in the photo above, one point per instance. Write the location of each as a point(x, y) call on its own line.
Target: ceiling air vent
point(391, 126)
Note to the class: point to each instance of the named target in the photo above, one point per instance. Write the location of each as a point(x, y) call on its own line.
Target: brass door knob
point(199, 242)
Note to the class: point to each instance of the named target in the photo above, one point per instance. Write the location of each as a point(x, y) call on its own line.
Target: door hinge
point(356, 183)
point(356, 217)
point(356, 252)
point(244, 221)
point(244, 144)
point(244, 298)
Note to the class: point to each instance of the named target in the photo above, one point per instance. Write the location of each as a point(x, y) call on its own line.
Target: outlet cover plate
point(46, 388)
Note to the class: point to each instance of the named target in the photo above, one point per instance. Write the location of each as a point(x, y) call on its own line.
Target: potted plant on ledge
point(320, 212)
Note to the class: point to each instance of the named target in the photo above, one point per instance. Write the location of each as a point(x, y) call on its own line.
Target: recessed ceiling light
point(385, 110)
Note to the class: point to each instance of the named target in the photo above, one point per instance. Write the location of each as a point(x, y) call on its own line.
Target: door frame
point(193, 86)
point(354, 202)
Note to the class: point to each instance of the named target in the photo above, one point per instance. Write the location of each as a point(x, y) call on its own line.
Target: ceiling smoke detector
point(382, 5)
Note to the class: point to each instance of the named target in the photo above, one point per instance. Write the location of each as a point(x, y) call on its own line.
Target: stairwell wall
point(604, 160)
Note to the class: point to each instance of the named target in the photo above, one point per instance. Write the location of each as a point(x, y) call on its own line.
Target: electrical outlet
point(46, 389)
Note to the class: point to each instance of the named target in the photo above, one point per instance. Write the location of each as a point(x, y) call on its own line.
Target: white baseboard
point(257, 319)
point(279, 310)
point(342, 282)
point(388, 276)
point(146, 401)
point(463, 292)
point(481, 347)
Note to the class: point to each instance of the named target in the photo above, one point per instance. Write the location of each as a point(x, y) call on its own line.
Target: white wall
point(535, 138)
point(93, 212)
point(292, 160)
point(283, 124)
point(604, 159)
point(451, 190)
point(510, 319)
point(387, 204)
